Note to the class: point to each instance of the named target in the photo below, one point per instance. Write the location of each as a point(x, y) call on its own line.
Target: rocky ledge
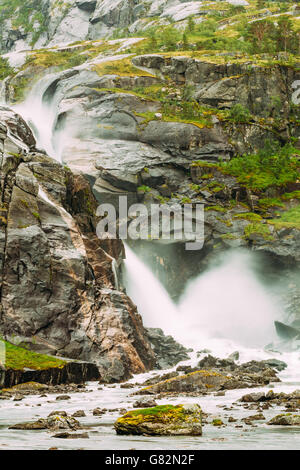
point(71, 373)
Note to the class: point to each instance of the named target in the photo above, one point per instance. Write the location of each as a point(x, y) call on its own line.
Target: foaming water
point(229, 302)
point(151, 298)
point(40, 115)
point(224, 309)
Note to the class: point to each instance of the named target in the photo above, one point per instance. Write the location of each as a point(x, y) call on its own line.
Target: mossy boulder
point(198, 381)
point(286, 420)
point(164, 420)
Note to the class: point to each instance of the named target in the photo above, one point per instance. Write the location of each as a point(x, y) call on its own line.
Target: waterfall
point(225, 308)
point(40, 115)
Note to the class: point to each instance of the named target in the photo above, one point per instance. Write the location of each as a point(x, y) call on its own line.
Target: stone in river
point(165, 420)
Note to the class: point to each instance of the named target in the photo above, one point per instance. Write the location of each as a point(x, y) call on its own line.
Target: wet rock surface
point(167, 351)
point(168, 420)
point(213, 374)
point(58, 282)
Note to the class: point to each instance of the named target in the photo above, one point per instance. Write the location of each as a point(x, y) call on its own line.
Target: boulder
point(145, 402)
point(253, 397)
point(201, 381)
point(285, 420)
point(165, 420)
point(53, 422)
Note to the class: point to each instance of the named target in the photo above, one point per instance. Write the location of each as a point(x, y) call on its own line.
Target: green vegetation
point(51, 58)
point(288, 219)
point(5, 69)
point(250, 216)
point(123, 68)
point(239, 114)
point(174, 106)
point(157, 410)
point(258, 229)
point(18, 358)
point(144, 189)
point(229, 28)
point(24, 14)
point(273, 166)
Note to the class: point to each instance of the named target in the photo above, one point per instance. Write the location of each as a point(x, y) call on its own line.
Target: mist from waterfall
point(40, 115)
point(225, 307)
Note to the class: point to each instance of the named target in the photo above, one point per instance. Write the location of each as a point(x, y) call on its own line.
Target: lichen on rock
point(163, 420)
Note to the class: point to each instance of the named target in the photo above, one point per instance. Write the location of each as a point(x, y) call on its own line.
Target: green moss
point(229, 236)
point(158, 414)
point(157, 410)
point(251, 216)
point(288, 219)
point(144, 189)
point(258, 229)
point(215, 208)
point(289, 196)
point(217, 422)
point(123, 68)
point(202, 164)
point(19, 358)
point(266, 203)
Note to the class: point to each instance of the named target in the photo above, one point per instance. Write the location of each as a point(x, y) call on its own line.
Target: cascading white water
point(151, 298)
point(225, 308)
point(40, 115)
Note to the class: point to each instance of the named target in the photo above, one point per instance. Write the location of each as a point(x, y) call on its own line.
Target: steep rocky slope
point(58, 290)
point(52, 22)
point(161, 128)
point(158, 119)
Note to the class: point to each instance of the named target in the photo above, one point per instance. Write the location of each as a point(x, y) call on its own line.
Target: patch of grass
point(123, 68)
point(258, 229)
point(51, 58)
point(289, 196)
point(289, 219)
point(19, 358)
point(157, 410)
point(269, 202)
point(215, 208)
point(250, 216)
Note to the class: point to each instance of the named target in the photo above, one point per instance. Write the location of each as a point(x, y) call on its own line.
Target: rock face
point(59, 291)
point(166, 420)
point(167, 351)
point(56, 23)
point(122, 142)
point(73, 372)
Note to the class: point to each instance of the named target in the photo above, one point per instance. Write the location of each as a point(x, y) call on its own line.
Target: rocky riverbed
point(229, 421)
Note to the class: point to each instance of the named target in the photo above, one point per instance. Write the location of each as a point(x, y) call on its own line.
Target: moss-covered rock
point(286, 420)
point(165, 420)
point(198, 381)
